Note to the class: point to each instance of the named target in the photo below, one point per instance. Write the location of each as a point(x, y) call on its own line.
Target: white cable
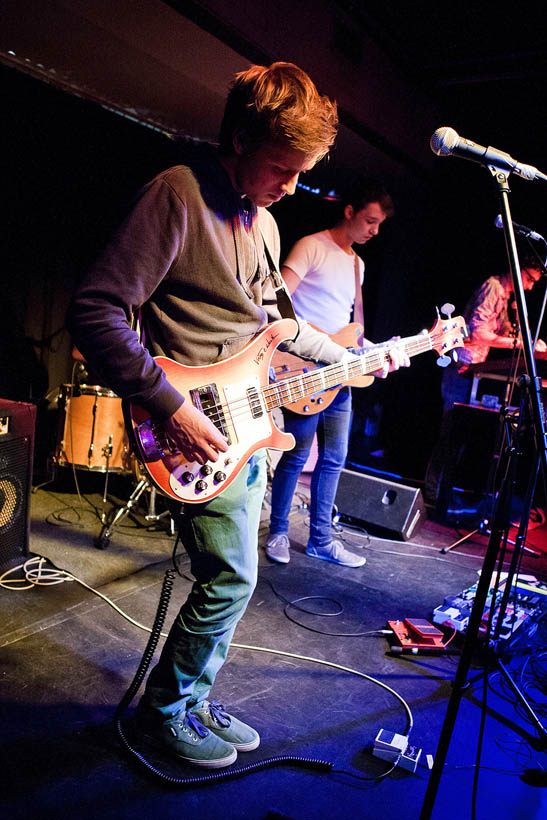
point(34, 576)
point(41, 576)
point(44, 576)
point(334, 666)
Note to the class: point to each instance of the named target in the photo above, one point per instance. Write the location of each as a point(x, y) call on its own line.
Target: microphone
point(522, 229)
point(445, 141)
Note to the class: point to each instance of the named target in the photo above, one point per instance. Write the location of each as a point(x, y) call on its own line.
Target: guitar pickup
point(207, 399)
point(254, 402)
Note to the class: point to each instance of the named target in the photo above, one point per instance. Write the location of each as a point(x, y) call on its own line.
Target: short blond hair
point(278, 103)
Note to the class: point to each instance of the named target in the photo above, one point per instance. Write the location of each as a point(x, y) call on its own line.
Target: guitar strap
point(358, 313)
point(282, 295)
point(284, 301)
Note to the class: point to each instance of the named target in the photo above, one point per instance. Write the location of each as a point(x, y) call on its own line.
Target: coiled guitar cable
point(148, 654)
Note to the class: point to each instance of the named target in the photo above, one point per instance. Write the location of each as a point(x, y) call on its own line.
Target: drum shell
point(90, 421)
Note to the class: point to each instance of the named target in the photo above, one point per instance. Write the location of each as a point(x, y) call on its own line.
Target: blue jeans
point(221, 539)
point(332, 427)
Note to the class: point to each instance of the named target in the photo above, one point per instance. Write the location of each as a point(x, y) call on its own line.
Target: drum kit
point(91, 436)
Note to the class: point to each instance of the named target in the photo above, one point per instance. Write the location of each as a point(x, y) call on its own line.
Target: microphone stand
point(500, 524)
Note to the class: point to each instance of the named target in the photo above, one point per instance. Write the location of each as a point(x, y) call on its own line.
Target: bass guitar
point(287, 364)
point(237, 397)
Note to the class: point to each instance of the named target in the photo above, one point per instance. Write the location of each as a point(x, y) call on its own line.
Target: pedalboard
point(525, 609)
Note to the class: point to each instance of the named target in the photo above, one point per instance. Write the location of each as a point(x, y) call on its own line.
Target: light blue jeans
point(221, 539)
point(332, 427)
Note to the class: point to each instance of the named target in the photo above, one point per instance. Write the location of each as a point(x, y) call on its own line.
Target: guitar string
point(282, 392)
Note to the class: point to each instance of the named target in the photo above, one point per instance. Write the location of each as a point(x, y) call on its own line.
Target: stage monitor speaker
point(383, 507)
point(17, 424)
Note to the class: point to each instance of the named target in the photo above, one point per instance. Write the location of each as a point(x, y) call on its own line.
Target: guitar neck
point(287, 391)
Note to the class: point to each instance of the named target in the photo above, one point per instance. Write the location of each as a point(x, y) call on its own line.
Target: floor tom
point(91, 429)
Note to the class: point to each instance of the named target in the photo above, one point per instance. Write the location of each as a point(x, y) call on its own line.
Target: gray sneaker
point(277, 548)
point(187, 738)
point(227, 727)
point(337, 553)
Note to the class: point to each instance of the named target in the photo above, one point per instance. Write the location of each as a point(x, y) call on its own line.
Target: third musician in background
point(487, 318)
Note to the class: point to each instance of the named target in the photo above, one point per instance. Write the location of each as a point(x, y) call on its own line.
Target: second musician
point(321, 272)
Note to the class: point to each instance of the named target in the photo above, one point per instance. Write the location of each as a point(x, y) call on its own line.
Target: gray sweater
point(191, 255)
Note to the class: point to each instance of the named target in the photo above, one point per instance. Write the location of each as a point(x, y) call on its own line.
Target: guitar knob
point(306, 408)
point(320, 400)
point(220, 476)
point(201, 486)
point(206, 469)
point(187, 477)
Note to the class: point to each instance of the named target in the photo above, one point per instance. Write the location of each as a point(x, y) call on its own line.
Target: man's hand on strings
point(194, 435)
point(396, 357)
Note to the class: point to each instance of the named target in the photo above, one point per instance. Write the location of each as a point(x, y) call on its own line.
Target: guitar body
point(287, 364)
point(238, 398)
point(236, 382)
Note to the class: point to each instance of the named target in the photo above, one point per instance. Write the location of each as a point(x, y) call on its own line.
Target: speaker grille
point(15, 457)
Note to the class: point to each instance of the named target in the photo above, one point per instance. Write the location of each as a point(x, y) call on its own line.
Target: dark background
point(71, 167)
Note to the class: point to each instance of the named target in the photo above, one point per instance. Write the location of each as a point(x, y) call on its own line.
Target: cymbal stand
point(501, 517)
point(116, 516)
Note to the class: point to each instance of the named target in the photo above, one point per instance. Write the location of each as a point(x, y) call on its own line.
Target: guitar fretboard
point(281, 393)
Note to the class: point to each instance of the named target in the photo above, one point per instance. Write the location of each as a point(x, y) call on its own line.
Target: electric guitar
point(287, 364)
point(237, 397)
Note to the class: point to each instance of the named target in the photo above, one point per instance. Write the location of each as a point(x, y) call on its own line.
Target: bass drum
point(91, 430)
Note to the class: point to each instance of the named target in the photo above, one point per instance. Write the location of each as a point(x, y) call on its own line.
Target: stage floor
point(315, 685)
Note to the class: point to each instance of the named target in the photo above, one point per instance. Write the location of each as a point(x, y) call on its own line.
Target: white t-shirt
point(326, 292)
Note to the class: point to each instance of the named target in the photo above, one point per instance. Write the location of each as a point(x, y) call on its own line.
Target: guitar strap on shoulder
point(282, 295)
point(358, 312)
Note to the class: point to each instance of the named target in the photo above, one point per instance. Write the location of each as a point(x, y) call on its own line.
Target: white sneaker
point(337, 553)
point(277, 548)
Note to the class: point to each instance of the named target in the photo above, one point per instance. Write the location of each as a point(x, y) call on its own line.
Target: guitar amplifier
point(383, 507)
point(17, 423)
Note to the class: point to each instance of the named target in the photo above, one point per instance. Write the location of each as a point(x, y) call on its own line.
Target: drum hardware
point(152, 515)
point(107, 453)
point(91, 437)
point(117, 515)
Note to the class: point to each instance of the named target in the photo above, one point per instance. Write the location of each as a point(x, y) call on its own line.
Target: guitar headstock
point(448, 334)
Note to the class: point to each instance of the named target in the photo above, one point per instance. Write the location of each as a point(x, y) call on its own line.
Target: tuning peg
point(443, 361)
point(448, 309)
